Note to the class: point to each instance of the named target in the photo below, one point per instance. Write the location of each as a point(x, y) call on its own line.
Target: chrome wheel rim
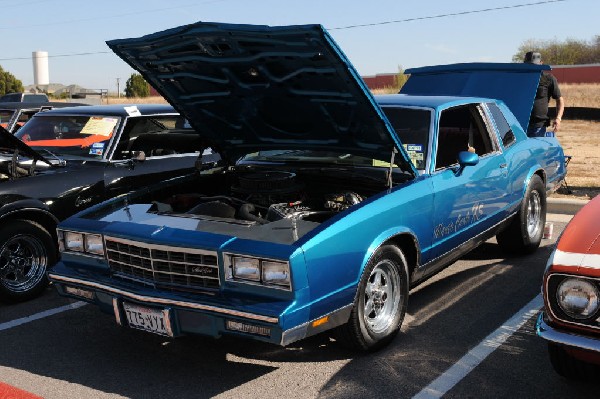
point(382, 297)
point(534, 214)
point(23, 262)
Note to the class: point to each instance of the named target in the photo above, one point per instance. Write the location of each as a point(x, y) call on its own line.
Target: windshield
point(411, 124)
point(412, 127)
point(5, 115)
point(83, 136)
point(320, 157)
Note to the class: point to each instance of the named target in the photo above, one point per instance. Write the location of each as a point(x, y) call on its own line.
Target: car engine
point(262, 197)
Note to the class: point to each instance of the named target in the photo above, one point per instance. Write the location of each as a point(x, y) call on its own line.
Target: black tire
point(524, 234)
point(570, 367)
point(380, 302)
point(26, 252)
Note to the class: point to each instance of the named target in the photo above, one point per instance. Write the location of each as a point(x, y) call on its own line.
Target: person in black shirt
point(547, 88)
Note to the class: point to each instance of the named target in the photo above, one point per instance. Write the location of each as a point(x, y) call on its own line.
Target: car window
point(15, 97)
point(157, 135)
point(81, 135)
point(461, 128)
point(34, 98)
point(5, 116)
point(506, 134)
point(412, 127)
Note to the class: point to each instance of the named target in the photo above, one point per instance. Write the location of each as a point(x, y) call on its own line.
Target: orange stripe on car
point(8, 391)
point(79, 142)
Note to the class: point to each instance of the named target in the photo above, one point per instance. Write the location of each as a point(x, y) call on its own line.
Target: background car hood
point(11, 143)
point(248, 88)
point(515, 84)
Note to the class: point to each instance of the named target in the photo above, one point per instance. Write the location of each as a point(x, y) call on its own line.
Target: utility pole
point(118, 88)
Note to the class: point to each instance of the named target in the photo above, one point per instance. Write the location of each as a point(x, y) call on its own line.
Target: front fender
point(25, 205)
point(389, 235)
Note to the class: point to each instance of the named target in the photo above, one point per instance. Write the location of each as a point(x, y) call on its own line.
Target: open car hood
point(515, 84)
point(250, 88)
point(9, 143)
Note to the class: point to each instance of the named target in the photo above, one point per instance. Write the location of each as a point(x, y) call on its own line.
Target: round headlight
point(578, 298)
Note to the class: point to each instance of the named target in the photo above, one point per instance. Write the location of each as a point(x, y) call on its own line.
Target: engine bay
point(265, 196)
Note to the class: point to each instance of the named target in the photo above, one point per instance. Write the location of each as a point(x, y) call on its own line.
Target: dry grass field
point(137, 100)
point(580, 139)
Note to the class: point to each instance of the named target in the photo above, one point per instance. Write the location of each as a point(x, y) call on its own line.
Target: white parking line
point(468, 362)
point(41, 315)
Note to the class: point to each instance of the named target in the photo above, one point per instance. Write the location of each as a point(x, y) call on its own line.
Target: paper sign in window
point(100, 126)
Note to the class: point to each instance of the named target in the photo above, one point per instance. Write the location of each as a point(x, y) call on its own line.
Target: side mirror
point(139, 156)
point(466, 158)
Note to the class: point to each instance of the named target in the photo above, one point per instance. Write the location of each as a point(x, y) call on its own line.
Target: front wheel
point(26, 251)
point(380, 303)
point(524, 234)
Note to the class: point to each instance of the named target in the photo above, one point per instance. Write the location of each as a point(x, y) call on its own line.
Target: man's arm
point(560, 109)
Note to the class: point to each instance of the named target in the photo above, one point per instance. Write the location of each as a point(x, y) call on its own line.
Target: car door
point(470, 200)
point(168, 151)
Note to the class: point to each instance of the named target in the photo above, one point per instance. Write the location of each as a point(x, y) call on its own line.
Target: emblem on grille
point(202, 270)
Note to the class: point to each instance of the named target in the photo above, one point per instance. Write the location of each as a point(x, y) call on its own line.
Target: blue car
point(327, 204)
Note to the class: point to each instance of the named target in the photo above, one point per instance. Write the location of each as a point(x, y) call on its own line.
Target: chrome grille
point(161, 266)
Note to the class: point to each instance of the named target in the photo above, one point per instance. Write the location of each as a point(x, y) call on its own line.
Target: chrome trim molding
point(163, 301)
point(543, 330)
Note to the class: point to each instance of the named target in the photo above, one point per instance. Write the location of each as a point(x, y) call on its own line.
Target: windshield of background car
point(81, 135)
point(5, 115)
point(412, 127)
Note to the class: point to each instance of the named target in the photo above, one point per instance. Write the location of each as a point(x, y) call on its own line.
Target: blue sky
point(65, 27)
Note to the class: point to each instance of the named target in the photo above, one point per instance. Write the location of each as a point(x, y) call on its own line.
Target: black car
point(24, 97)
point(65, 160)
point(13, 115)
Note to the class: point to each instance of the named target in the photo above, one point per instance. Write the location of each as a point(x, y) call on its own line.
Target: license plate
point(152, 320)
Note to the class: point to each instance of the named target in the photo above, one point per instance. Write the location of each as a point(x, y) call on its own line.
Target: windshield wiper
point(61, 162)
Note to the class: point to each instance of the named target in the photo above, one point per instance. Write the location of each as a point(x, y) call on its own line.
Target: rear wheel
point(380, 303)
point(26, 251)
point(524, 233)
point(569, 366)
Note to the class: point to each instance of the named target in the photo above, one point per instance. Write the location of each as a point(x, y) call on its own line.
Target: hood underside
point(515, 84)
point(250, 88)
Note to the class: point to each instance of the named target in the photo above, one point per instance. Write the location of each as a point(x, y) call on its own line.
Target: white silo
point(41, 77)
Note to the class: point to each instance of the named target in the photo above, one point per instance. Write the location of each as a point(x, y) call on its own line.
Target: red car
point(570, 321)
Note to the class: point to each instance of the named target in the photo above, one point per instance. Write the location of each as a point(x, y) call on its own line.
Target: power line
point(59, 55)
point(454, 14)
point(338, 28)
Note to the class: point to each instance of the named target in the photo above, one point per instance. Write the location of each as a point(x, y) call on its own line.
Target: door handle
point(503, 165)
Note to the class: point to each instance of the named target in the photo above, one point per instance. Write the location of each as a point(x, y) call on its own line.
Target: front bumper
point(184, 317)
point(543, 330)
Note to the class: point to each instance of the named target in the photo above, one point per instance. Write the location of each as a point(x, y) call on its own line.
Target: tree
point(569, 52)
point(8, 83)
point(401, 78)
point(136, 86)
